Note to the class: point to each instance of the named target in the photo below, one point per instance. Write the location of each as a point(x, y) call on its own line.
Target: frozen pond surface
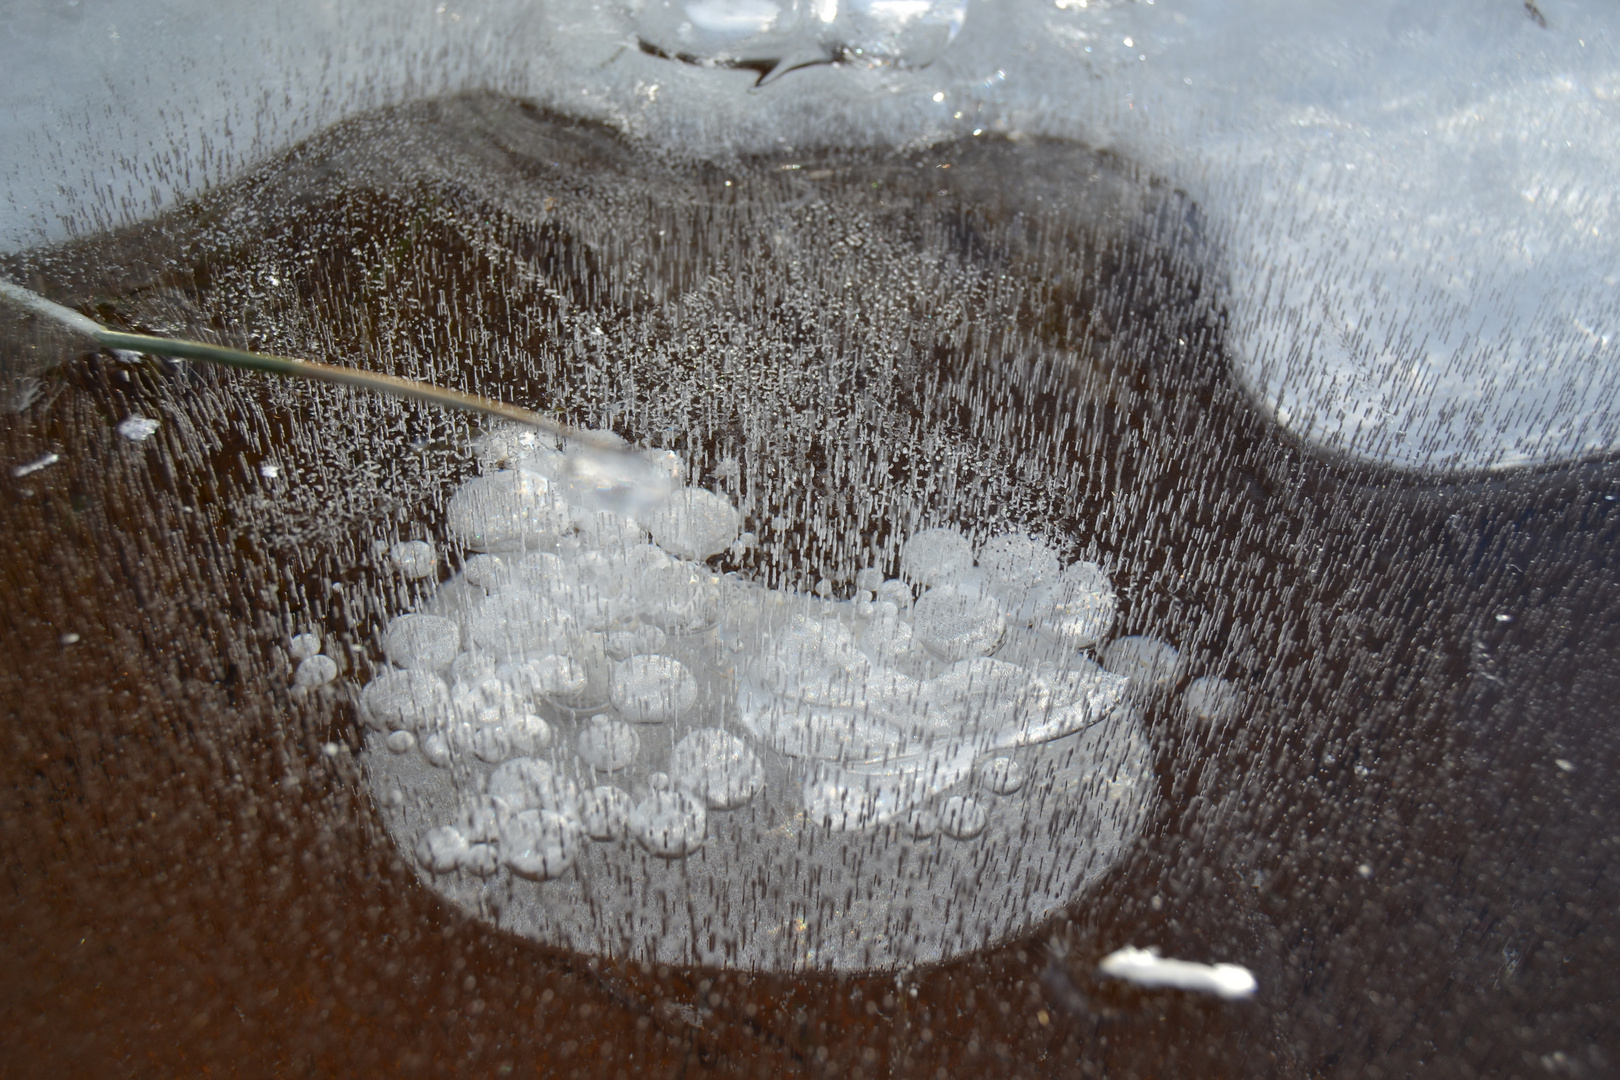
point(1377, 709)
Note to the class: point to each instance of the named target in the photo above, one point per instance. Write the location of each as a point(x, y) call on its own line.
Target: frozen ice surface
point(1410, 203)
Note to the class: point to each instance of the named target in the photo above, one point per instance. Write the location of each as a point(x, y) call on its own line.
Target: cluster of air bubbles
point(786, 34)
point(314, 668)
point(586, 678)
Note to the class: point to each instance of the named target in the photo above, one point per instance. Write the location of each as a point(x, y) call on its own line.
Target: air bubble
point(1149, 663)
point(317, 670)
point(609, 745)
point(955, 623)
point(414, 558)
point(717, 767)
point(670, 824)
point(962, 818)
point(935, 555)
point(1212, 699)
point(422, 642)
point(1002, 775)
point(605, 813)
point(304, 646)
point(540, 844)
point(405, 699)
point(652, 689)
point(401, 742)
point(694, 524)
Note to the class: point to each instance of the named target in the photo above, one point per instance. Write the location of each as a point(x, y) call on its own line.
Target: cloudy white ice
point(1409, 204)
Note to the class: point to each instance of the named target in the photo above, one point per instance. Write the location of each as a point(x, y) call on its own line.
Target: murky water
point(1379, 747)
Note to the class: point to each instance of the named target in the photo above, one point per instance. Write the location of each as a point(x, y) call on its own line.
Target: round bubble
point(486, 571)
point(540, 844)
point(920, 823)
point(559, 678)
point(1016, 565)
point(605, 813)
point(958, 623)
point(435, 749)
point(1149, 663)
point(717, 767)
point(506, 511)
point(962, 818)
point(694, 524)
point(414, 558)
point(1212, 699)
point(304, 646)
point(422, 642)
point(652, 689)
point(1002, 775)
point(1078, 609)
point(935, 555)
point(401, 742)
point(406, 700)
point(529, 784)
point(608, 745)
point(670, 824)
point(317, 670)
point(623, 642)
point(516, 623)
point(442, 849)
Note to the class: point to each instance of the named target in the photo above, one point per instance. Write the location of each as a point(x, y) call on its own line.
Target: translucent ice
point(958, 621)
point(935, 555)
point(317, 670)
point(137, 428)
point(406, 700)
point(1149, 663)
point(540, 844)
point(695, 524)
point(413, 558)
point(608, 745)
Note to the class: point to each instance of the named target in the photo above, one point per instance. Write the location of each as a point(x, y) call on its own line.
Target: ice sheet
point(1410, 203)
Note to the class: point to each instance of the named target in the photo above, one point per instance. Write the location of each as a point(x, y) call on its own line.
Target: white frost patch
point(1146, 967)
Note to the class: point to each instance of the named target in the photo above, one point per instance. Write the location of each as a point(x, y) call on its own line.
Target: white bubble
point(605, 813)
point(505, 511)
point(935, 555)
point(870, 578)
point(677, 597)
point(623, 642)
point(670, 824)
point(955, 623)
point(559, 678)
point(404, 700)
point(652, 689)
point(694, 524)
point(486, 571)
point(1078, 609)
point(1017, 565)
point(1211, 698)
point(304, 646)
point(435, 749)
point(528, 784)
point(317, 670)
point(962, 818)
point(401, 742)
point(717, 767)
point(515, 623)
point(608, 745)
point(896, 592)
point(441, 850)
point(540, 844)
point(481, 859)
point(920, 823)
point(414, 558)
point(511, 737)
point(138, 428)
point(1147, 662)
point(1002, 775)
point(422, 642)
point(844, 804)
